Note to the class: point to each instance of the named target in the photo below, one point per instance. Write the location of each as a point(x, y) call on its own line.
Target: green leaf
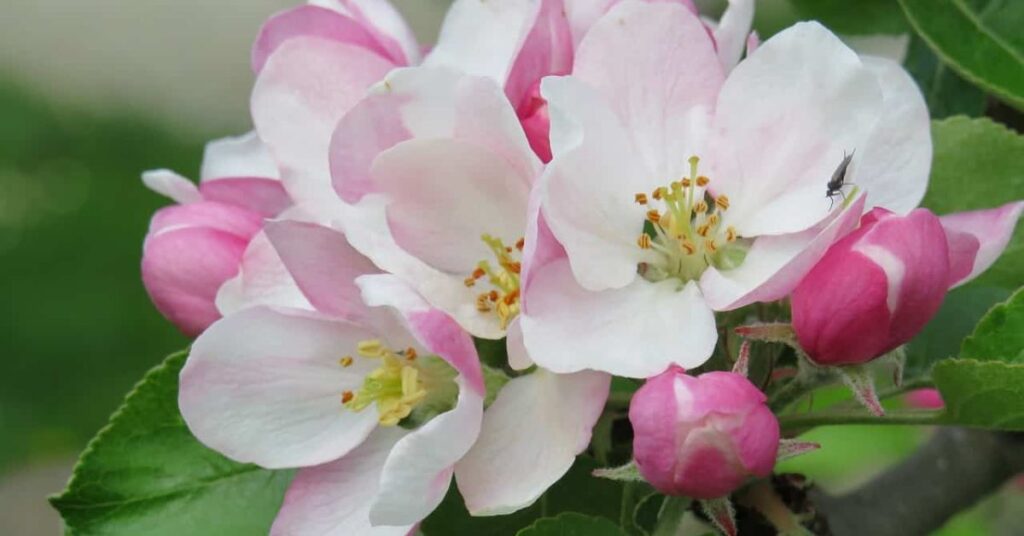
point(572, 524)
point(978, 165)
point(945, 92)
point(942, 337)
point(987, 394)
point(855, 18)
point(144, 473)
point(1000, 334)
point(577, 491)
point(984, 45)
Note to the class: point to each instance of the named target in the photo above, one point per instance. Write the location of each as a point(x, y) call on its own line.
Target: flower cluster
point(589, 181)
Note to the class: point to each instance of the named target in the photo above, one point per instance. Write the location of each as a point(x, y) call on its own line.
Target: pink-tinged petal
point(306, 86)
point(785, 117)
point(392, 30)
point(171, 185)
point(484, 38)
point(263, 196)
point(536, 427)
point(222, 217)
point(753, 41)
point(893, 165)
point(583, 14)
point(636, 331)
point(262, 280)
point(363, 226)
point(265, 387)
point(733, 31)
point(991, 229)
point(546, 50)
point(313, 21)
point(242, 156)
point(437, 332)
point(444, 194)
point(334, 499)
point(914, 255)
point(588, 189)
point(182, 270)
point(775, 265)
point(323, 265)
point(419, 469)
point(655, 64)
point(426, 103)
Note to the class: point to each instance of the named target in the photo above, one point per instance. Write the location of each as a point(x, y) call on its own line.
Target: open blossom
point(702, 437)
point(676, 190)
point(193, 247)
point(877, 287)
point(325, 390)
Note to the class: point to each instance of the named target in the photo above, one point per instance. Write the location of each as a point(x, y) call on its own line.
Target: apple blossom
point(677, 191)
point(877, 287)
point(284, 388)
point(925, 399)
point(192, 248)
point(703, 436)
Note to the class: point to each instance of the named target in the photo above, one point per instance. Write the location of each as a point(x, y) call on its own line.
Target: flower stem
point(793, 423)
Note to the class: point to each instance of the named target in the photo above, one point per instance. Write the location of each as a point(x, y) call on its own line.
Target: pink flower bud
point(874, 289)
point(704, 436)
point(925, 399)
point(189, 252)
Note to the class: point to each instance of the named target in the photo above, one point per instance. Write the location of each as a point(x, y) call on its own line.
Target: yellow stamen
point(722, 202)
point(730, 234)
point(688, 247)
point(370, 348)
point(346, 361)
point(710, 246)
point(653, 216)
point(702, 181)
point(641, 198)
point(701, 207)
point(347, 397)
point(644, 241)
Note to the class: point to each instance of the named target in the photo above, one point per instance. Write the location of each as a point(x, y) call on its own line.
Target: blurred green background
point(93, 93)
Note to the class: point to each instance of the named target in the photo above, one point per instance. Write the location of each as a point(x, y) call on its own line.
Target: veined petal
point(587, 191)
point(419, 469)
point(655, 64)
point(242, 156)
point(894, 163)
point(785, 117)
point(991, 229)
point(775, 265)
point(265, 387)
point(426, 103)
point(306, 86)
point(334, 499)
point(536, 427)
point(636, 331)
point(324, 266)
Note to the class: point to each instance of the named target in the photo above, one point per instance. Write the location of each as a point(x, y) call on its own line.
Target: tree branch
point(955, 469)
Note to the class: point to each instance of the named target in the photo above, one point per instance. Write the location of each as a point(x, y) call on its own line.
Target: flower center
point(402, 382)
point(683, 230)
point(503, 297)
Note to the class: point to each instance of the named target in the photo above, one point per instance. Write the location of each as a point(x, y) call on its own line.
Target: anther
point(700, 207)
point(644, 241)
point(710, 246)
point(482, 304)
point(703, 229)
point(410, 354)
point(730, 234)
point(688, 247)
point(346, 361)
point(370, 348)
point(514, 267)
point(654, 216)
point(641, 199)
point(347, 397)
point(686, 183)
point(520, 243)
point(493, 295)
point(702, 181)
point(722, 202)
point(658, 193)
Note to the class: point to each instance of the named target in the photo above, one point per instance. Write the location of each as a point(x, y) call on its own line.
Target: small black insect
point(838, 180)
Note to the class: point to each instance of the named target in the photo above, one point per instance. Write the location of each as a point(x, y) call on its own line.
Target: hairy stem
point(955, 469)
point(802, 421)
